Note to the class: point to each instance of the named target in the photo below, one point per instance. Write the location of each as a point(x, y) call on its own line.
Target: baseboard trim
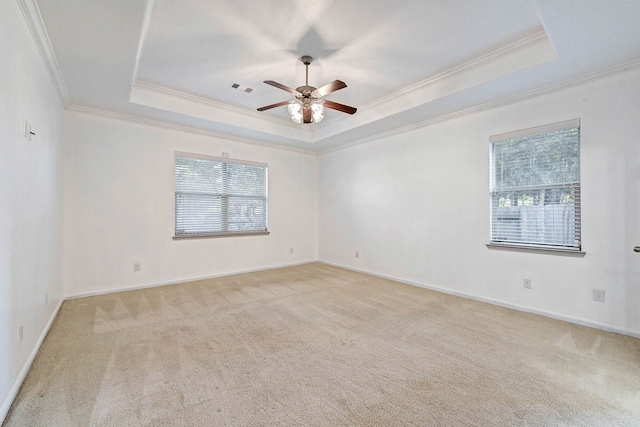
point(576, 320)
point(6, 405)
point(179, 281)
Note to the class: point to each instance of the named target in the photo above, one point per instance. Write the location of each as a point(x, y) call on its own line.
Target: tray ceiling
point(405, 62)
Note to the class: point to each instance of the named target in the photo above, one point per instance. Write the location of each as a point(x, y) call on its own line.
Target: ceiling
point(406, 63)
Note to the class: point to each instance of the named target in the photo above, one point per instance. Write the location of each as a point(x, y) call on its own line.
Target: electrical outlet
point(136, 266)
point(20, 333)
point(527, 283)
point(598, 295)
point(357, 254)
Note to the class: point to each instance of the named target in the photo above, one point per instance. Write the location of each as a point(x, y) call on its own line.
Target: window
point(219, 197)
point(535, 187)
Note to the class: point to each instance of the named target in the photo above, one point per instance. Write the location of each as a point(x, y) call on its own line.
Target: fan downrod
point(306, 90)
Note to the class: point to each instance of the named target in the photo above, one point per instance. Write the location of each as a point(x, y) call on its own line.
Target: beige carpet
point(316, 345)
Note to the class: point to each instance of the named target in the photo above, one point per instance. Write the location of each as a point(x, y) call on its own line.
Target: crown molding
point(176, 101)
point(621, 68)
point(181, 128)
point(33, 18)
point(585, 79)
point(208, 101)
point(509, 49)
point(579, 81)
point(216, 104)
point(511, 58)
point(144, 31)
point(526, 45)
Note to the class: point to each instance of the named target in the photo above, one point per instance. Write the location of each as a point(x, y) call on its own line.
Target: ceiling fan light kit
point(308, 105)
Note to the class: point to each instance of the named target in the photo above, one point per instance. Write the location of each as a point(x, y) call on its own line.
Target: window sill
point(536, 250)
point(209, 236)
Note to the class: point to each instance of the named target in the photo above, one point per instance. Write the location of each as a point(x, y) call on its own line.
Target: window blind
point(535, 187)
point(218, 196)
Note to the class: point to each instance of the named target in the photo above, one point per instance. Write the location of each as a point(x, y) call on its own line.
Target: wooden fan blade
point(283, 87)
point(306, 115)
point(268, 107)
point(329, 87)
point(339, 107)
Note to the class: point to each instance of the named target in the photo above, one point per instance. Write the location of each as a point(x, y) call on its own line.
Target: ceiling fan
point(308, 105)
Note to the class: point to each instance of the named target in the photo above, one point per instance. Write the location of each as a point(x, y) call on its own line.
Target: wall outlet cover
point(598, 295)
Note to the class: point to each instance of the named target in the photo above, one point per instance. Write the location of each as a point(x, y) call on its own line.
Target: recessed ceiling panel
point(201, 47)
point(404, 61)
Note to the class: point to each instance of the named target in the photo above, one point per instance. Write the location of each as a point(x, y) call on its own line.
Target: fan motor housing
point(306, 91)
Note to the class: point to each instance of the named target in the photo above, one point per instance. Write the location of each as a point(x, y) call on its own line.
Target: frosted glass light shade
point(317, 110)
point(297, 117)
point(295, 109)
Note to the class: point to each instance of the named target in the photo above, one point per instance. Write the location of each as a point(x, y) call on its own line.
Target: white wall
point(119, 208)
point(30, 201)
point(415, 205)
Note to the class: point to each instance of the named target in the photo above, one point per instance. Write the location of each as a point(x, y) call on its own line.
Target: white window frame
point(501, 240)
point(217, 225)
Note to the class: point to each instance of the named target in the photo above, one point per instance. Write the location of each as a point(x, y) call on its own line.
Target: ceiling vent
point(241, 87)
